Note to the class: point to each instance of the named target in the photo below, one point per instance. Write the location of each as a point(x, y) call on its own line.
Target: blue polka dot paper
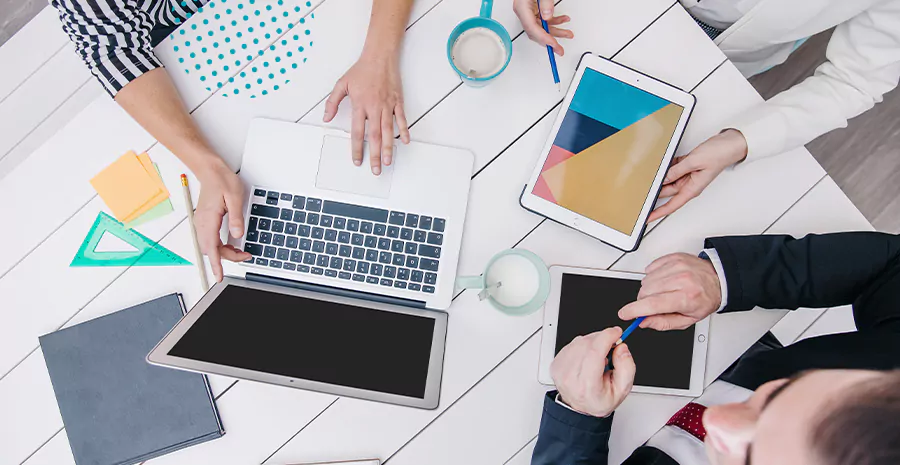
point(254, 43)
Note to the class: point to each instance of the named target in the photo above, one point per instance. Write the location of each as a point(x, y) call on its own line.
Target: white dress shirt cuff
point(713, 257)
point(560, 402)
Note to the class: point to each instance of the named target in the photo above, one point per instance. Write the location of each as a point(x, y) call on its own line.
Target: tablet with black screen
point(301, 339)
point(583, 301)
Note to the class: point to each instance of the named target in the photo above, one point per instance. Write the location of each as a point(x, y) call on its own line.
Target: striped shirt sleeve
point(112, 37)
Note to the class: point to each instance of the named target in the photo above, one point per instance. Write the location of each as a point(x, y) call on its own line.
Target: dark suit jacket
point(779, 272)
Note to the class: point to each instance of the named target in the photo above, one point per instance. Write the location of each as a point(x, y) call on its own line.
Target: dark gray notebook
point(116, 407)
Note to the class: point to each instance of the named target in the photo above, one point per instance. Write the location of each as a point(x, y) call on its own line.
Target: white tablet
point(583, 301)
point(603, 165)
point(307, 340)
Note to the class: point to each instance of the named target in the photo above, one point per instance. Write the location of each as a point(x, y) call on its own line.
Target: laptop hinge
point(335, 291)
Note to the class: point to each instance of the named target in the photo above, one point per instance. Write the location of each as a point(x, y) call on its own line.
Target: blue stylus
point(630, 329)
point(549, 49)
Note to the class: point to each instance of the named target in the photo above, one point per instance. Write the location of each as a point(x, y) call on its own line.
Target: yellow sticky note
point(163, 194)
point(127, 188)
point(152, 172)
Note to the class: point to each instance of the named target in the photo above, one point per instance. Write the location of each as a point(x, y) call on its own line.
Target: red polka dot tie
point(690, 419)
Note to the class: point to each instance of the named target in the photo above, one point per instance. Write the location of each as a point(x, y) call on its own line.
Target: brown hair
point(864, 429)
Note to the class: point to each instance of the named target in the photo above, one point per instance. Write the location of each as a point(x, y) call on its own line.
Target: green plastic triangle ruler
point(147, 253)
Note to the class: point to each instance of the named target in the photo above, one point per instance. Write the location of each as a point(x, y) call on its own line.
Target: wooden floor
point(864, 158)
point(14, 14)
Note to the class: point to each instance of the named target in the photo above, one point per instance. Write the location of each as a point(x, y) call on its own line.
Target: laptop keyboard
point(344, 241)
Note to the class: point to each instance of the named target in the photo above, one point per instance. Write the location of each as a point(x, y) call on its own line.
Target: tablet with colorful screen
point(603, 164)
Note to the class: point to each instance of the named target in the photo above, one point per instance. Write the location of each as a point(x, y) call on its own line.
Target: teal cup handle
point(486, 7)
point(470, 282)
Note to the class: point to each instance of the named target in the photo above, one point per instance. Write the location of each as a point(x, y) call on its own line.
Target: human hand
point(376, 93)
point(691, 173)
point(220, 192)
point(579, 372)
point(678, 291)
point(527, 11)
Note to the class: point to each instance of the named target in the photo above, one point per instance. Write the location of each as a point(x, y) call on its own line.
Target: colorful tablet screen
point(607, 151)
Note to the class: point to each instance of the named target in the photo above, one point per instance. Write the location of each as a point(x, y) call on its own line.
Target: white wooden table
point(59, 129)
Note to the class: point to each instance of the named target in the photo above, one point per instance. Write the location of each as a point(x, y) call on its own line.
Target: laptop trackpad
point(338, 173)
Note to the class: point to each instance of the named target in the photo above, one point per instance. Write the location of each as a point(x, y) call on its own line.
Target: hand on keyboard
point(220, 192)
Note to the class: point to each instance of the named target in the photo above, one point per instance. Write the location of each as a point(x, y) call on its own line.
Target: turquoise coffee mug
point(485, 48)
point(527, 282)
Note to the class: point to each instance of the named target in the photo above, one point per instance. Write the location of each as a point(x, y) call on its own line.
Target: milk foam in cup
point(479, 48)
point(479, 53)
point(515, 281)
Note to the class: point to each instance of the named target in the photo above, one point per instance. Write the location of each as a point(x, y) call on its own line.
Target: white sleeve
point(713, 257)
point(863, 64)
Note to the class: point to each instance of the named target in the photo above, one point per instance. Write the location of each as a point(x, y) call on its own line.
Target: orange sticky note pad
point(128, 187)
point(154, 175)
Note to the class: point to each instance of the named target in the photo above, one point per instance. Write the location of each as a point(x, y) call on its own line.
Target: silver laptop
point(347, 269)
point(315, 218)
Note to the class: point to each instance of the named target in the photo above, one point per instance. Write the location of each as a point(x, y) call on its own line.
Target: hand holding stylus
point(579, 372)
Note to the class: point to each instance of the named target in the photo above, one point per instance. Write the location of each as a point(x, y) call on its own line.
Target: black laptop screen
point(313, 340)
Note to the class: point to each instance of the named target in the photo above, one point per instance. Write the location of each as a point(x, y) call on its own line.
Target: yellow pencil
point(189, 205)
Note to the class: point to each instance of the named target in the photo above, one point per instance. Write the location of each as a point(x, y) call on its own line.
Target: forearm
point(154, 103)
point(863, 64)
point(386, 28)
point(816, 271)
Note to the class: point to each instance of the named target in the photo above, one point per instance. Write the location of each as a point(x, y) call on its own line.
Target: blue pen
point(549, 49)
point(630, 329)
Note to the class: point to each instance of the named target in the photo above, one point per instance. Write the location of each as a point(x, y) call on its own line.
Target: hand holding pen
point(530, 16)
point(579, 372)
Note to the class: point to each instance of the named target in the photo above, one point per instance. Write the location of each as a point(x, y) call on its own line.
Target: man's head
point(820, 417)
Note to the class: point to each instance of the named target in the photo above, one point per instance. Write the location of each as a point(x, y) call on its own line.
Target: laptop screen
point(313, 340)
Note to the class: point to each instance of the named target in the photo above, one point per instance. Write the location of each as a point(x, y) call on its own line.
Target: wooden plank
point(26, 51)
point(795, 323)
point(363, 424)
point(229, 394)
point(28, 389)
point(495, 115)
point(112, 297)
point(26, 423)
point(104, 132)
point(833, 321)
point(60, 169)
point(33, 323)
point(508, 399)
point(500, 416)
point(339, 38)
point(523, 456)
point(48, 128)
point(583, 251)
point(740, 330)
point(55, 452)
point(253, 430)
point(659, 52)
point(38, 97)
point(710, 112)
point(427, 76)
point(29, 312)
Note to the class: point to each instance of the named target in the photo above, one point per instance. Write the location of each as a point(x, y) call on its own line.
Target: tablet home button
point(701, 338)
